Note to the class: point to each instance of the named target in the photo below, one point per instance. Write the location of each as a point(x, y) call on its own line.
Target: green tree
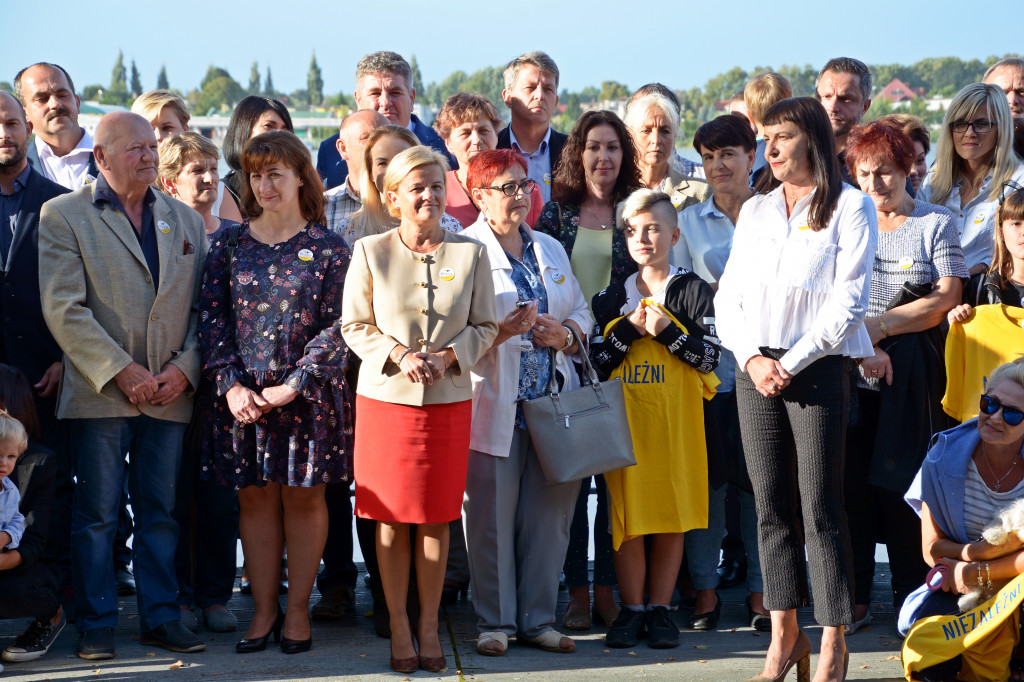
point(136, 81)
point(314, 83)
point(268, 88)
point(254, 79)
point(91, 93)
point(118, 91)
point(6, 86)
point(161, 79)
point(218, 91)
point(613, 90)
point(299, 98)
point(417, 77)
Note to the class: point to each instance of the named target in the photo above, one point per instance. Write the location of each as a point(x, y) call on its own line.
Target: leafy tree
point(417, 77)
point(314, 84)
point(161, 79)
point(6, 86)
point(299, 98)
point(118, 91)
point(136, 88)
point(218, 91)
point(268, 89)
point(254, 79)
point(611, 90)
point(91, 93)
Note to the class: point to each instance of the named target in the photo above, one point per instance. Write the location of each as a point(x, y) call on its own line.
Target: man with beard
point(1009, 76)
point(62, 150)
point(843, 87)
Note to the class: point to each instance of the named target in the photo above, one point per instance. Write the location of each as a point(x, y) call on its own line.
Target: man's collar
point(21, 180)
point(540, 149)
point(84, 146)
point(104, 193)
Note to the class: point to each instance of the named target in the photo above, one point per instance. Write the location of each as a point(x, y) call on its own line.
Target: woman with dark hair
point(253, 116)
point(975, 157)
point(727, 146)
point(790, 307)
point(915, 281)
point(597, 171)
point(270, 337)
point(509, 509)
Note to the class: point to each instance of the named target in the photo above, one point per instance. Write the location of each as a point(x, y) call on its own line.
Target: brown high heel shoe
point(800, 656)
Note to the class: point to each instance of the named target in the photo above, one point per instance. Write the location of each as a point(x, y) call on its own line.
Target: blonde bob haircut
point(181, 149)
point(764, 90)
point(1011, 371)
point(408, 161)
point(644, 201)
point(12, 431)
point(949, 167)
point(148, 105)
point(372, 217)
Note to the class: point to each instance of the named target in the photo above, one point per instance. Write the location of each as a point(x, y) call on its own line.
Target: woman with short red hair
point(542, 316)
point(915, 281)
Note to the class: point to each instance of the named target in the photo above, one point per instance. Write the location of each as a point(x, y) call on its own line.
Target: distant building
point(897, 92)
point(616, 106)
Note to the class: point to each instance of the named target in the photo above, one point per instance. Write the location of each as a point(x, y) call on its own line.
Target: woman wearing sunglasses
point(974, 158)
point(971, 473)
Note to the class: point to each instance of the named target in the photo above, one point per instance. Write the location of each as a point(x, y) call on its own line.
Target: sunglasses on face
point(1011, 415)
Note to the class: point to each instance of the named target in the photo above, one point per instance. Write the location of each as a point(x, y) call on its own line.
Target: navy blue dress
point(276, 319)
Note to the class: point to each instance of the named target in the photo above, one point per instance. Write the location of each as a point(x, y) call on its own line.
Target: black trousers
point(29, 592)
point(339, 569)
point(794, 445)
point(878, 515)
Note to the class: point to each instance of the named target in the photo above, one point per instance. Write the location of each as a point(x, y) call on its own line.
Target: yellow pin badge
point(163, 227)
point(447, 274)
point(558, 277)
point(905, 263)
point(804, 227)
point(979, 219)
point(305, 254)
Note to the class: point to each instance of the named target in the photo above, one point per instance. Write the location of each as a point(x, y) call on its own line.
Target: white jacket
point(496, 375)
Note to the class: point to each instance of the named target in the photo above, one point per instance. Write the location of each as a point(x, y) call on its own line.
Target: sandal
point(549, 640)
point(485, 638)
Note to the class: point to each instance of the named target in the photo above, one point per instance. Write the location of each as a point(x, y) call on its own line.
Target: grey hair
point(642, 201)
point(384, 62)
point(536, 58)
point(636, 111)
point(1008, 63)
point(848, 65)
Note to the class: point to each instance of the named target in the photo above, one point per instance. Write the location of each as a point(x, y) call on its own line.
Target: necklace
point(999, 480)
point(594, 216)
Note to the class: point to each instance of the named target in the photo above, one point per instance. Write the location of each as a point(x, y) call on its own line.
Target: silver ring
point(874, 372)
point(540, 327)
point(524, 323)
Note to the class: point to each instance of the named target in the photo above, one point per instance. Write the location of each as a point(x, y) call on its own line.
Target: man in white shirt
point(62, 150)
point(843, 87)
point(344, 200)
point(531, 94)
point(1008, 75)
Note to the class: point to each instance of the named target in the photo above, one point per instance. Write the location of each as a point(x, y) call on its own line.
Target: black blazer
point(33, 160)
point(555, 144)
point(25, 340)
point(34, 475)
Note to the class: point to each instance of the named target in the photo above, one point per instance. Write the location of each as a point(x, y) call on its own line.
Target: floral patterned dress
point(274, 319)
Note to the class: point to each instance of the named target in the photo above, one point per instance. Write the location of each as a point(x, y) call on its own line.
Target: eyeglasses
point(1009, 187)
point(1011, 415)
point(980, 127)
point(510, 189)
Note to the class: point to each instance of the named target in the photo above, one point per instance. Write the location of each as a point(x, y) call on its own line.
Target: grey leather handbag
point(582, 432)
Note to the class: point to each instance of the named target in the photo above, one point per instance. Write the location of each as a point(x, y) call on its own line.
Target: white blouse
point(786, 286)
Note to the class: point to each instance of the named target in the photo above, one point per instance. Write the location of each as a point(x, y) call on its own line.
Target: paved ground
point(350, 650)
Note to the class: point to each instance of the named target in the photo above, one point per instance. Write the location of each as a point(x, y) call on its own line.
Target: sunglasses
point(1011, 415)
point(1009, 187)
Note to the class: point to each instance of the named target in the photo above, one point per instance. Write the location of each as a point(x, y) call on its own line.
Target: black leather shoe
point(297, 646)
point(248, 646)
point(125, 581)
point(96, 644)
point(731, 573)
point(173, 636)
point(708, 620)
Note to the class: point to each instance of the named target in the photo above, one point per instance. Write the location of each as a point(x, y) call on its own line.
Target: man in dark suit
point(384, 84)
point(531, 94)
point(62, 150)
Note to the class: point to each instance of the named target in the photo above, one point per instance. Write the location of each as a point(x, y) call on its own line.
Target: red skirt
point(410, 461)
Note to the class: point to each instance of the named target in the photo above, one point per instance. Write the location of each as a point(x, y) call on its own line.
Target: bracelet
point(981, 583)
point(444, 359)
point(883, 326)
point(570, 337)
point(402, 355)
point(988, 577)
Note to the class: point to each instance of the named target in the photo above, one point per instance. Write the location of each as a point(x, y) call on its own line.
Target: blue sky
point(681, 44)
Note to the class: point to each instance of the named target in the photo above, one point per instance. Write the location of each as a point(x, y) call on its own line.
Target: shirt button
point(149, 279)
point(424, 311)
point(423, 259)
point(153, 316)
point(423, 284)
point(421, 342)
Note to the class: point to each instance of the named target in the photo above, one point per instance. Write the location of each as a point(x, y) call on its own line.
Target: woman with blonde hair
point(165, 110)
point(420, 313)
point(974, 158)
point(188, 172)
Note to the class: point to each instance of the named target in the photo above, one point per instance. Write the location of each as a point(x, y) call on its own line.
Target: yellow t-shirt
point(994, 335)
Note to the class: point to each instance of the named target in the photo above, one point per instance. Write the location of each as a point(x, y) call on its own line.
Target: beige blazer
point(684, 190)
point(99, 303)
point(437, 300)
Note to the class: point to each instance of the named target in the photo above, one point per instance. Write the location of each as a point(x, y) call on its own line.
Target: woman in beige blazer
point(419, 312)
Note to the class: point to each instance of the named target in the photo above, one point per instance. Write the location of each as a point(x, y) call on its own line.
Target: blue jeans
point(154, 462)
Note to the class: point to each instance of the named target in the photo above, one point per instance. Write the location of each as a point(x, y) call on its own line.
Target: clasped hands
point(768, 375)
point(247, 405)
point(648, 319)
point(424, 368)
point(141, 386)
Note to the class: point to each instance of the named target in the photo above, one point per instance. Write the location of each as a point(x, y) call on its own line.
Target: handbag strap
point(589, 375)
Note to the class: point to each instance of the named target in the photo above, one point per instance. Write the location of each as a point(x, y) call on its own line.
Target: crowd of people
point(818, 337)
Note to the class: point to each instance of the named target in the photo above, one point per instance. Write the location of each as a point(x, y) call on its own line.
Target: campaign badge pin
point(447, 274)
point(905, 263)
point(163, 227)
point(558, 277)
point(305, 254)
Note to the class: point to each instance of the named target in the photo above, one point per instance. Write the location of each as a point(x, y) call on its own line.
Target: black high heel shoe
point(297, 646)
point(248, 646)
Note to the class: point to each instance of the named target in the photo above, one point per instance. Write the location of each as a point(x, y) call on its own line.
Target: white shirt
point(70, 170)
point(976, 222)
point(538, 164)
point(786, 286)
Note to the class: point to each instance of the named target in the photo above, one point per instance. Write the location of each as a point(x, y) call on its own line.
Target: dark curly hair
point(569, 184)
